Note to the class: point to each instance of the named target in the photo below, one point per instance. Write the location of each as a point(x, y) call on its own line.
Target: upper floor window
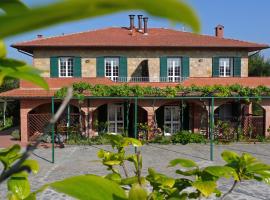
point(112, 68)
point(174, 69)
point(65, 66)
point(225, 67)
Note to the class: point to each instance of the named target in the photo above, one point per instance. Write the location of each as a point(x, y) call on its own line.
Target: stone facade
point(200, 60)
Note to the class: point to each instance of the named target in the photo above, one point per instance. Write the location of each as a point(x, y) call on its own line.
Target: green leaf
point(222, 171)
point(112, 162)
point(89, 187)
point(230, 156)
point(137, 193)
point(255, 167)
point(19, 185)
point(131, 141)
point(9, 155)
point(43, 16)
point(205, 187)
point(114, 177)
point(183, 162)
point(32, 164)
point(188, 172)
point(12, 6)
point(3, 51)
point(131, 180)
point(20, 70)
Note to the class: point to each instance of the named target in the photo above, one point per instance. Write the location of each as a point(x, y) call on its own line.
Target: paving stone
point(77, 160)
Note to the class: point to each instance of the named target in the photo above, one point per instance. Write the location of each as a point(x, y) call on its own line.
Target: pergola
point(210, 99)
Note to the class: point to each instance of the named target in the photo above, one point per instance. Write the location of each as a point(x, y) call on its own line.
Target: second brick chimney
point(219, 31)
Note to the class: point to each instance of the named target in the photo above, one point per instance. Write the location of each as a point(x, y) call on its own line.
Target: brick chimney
point(219, 31)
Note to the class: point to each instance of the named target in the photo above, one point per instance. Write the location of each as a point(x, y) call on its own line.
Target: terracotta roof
point(57, 83)
point(123, 37)
point(27, 90)
point(244, 81)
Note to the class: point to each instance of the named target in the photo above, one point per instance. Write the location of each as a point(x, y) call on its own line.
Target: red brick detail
point(25, 107)
point(29, 90)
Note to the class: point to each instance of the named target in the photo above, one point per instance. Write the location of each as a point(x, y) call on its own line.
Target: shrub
point(197, 138)
point(16, 134)
point(9, 123)
point(160, 139)
point(261, 138)
point(185, 137)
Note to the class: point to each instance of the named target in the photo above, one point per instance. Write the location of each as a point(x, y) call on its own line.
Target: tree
point(258, 65)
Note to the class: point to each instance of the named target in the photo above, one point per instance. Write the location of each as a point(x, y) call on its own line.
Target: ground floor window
point(225, 112)
point(115, 118)
point(171, 119)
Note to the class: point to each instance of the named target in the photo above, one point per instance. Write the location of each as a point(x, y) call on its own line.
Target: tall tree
point(258, 66)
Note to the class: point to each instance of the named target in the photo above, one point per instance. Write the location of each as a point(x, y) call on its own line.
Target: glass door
point(115, 118)
point(171, 119)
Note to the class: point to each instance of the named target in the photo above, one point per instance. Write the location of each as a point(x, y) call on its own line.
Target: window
point(174, 69)
point(115, 118)
point(225, 67)
point(112, 68)
point(171, 119)
point(65, 66)
point(225, 112)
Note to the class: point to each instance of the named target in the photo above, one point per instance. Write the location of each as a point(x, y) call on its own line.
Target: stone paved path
point(76, 160)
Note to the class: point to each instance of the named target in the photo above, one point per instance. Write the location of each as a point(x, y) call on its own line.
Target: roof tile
point(123, 37)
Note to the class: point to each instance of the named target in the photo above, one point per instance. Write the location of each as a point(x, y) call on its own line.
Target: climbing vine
point(82, 89)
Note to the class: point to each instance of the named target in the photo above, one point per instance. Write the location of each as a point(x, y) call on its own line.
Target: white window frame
point(226, 64)
point(171, 122)
point(114, 108)
point(172, 62)
point(114, 63)
point(66, 67)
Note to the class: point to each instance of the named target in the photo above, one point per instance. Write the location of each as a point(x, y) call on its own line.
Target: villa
point(139, 55)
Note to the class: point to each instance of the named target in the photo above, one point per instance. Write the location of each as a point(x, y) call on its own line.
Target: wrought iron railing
point(150, 79)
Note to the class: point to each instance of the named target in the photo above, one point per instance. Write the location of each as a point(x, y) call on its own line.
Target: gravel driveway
point(76, 160)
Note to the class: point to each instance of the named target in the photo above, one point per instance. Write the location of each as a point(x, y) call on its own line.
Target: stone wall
point(200, 61)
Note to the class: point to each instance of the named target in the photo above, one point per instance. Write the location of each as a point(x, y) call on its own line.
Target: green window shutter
point(54, 67)
point(100, 67)
point(77, 68)
point(163, 68)
point(185, 67)
point(123, 67)
point(215, 66)
point(237, 66)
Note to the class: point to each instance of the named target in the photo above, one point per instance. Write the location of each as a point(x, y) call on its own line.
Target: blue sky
point(245, 20)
